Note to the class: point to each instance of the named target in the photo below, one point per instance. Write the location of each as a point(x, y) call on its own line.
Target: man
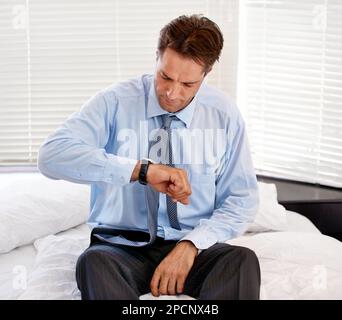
point(161, 225)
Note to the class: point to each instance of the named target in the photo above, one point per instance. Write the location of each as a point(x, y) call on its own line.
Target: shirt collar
point(154, 109)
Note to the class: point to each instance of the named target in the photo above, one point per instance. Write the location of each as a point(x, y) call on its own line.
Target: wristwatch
point(143, 170)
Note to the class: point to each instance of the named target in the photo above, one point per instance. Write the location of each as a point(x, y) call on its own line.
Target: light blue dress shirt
point(100, 145)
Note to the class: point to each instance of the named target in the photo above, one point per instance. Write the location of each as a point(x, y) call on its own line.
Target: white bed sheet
point(17, 266)
point(14, 269)
point(299, 263)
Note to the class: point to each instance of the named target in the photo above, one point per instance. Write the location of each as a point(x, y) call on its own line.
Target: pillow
point(53, 275)
point(270, 215)
point(33, 206)
point(296, 222)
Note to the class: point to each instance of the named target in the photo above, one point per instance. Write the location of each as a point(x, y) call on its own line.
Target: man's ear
point(157, 55)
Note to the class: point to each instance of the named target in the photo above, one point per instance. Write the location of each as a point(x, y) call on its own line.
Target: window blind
point(54, 55)
point(290, 87)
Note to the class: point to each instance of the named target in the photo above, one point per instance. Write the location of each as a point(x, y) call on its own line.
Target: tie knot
point(167, 119)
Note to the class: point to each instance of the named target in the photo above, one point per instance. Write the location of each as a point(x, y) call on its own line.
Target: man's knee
point(238, 255)
point(96, 259)
point(100, 274)
point(89, 256)
point(246, 261)
point(85, 262)
point(248, 264)
point(227, 249)
point(246, 253)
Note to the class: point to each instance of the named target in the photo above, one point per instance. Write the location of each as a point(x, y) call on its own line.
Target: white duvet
point(39, 243)
point(299, 263)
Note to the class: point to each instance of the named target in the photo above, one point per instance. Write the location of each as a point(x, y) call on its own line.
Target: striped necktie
point(171, 206)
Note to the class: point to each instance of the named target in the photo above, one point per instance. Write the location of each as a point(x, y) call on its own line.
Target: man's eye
point(188, 85)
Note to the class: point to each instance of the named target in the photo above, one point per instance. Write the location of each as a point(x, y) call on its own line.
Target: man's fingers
point(180, 285)
point(184, 200)
point(155, 284)
point(168, 179)
point(171, 288)
point(179, 180)
point(178, 193)
point(163, 285)
point(176, 180)
point(175, 188)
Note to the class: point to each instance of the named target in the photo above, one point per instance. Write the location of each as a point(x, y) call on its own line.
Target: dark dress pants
point(222, 272)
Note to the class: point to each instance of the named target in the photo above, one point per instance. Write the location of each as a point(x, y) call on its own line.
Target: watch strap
point(143, 171)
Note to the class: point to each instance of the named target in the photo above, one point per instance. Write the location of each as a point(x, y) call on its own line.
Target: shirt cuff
point(118, 170)
point(201, 237)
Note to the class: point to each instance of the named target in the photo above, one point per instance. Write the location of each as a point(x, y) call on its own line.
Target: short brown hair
point(195, 37)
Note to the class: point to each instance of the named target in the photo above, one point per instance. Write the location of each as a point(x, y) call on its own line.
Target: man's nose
point(173, 92)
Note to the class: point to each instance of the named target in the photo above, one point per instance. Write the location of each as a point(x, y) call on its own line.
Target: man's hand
point(171, 181)
point(170, 275)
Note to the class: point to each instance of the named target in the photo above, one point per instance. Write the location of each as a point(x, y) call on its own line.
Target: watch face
point(146, 161)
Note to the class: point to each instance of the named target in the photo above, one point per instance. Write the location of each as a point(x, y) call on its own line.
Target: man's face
point(177, 80)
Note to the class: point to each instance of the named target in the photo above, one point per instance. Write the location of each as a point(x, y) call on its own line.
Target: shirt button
point(122, 179)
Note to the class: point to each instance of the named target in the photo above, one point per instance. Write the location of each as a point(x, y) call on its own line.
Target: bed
point(43, 230)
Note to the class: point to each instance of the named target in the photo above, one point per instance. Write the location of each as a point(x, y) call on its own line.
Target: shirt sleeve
point(76, 151)
point(237, 196)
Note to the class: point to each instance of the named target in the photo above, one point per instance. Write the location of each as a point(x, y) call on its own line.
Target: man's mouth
point(169, 102)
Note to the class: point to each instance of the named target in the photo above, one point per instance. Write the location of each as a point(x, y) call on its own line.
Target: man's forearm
point(135, 173)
